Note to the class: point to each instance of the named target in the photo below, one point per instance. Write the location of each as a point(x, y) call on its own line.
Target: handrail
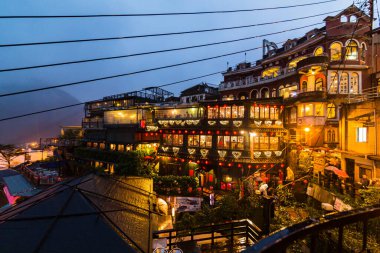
point(279, 241)
point(244, 228)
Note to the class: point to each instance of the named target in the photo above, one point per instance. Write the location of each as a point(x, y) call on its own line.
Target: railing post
point(365, 233)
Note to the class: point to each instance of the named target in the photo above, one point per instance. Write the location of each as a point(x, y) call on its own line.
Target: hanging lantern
point(249, 166)
point(191, 173)
point(209, 132)
point(190, 189)
point(199, 189)
point(220, 164)
point(210, 177)
point(222, 186)
point(305, 181)
point(282, 165)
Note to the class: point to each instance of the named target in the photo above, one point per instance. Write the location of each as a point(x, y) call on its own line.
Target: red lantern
point(183, 160)
point(222, 186)
point(272, 165)
point(239, 165)
point(179, 131)
point(191, 173)
point(227, 133)
point(230, 164)
point(264, 165)
point(199, 189)
point(235, 132)
point(229, 186)
point(209, 132)
point(280, 182)
point(210, 177)
point(146, 134)
point(190, 189)
point(142, 123)
point(198, 162)
point(217, 132)
point(151, 134)
point(206, 162)
point(249, 166)
point(220, 164)
point(305, 181)
point(211, 188)
point(160, 131)
point(257, 166)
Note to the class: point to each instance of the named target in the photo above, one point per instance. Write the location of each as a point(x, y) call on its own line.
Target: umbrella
point(332, 168)
point(341, 173)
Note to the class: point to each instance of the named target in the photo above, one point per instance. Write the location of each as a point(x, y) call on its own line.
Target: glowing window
point(361, 134)
point(318, 51)
point(319, 84)
point(205, 141)
point(304, 86)
point(352, 50)
point(193, 140)
point(354, 83)
point(334, 82)
point(331, 111)
point(271, 72)
point(293, 64)
point(343, 85)
point(336, 51)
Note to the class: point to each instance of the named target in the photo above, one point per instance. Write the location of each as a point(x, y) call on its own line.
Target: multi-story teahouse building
point(313, 75)
point(293, 94)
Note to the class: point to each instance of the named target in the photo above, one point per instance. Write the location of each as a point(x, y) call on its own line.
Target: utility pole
point(370, 7)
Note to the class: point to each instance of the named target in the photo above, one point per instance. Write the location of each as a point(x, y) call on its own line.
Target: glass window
point(177, 139)
point(354, 83)
point(318, 51)
point(271, 72)
point(255, 112)
point(361, 134)
point(353, 19)
point(212, 113)
point(237, 142)
point(352, 50)
point(274, 93)
point(112, 146)
point(331, 111)
point(336, 51)
point(237, 111)
point(264, 142)
point(319, 84)
point(293, 115)
point(304, 86)
point(256, 143)
point(205, 141)
point(343, 85)
point(273, 113)
point(265, 93)
point(319, 109)
point(343, 19)
point(308, 110)
point(224, 142)
point(193, 140)
point(225, 112)
point(281, 91)
point(273, 143)
point(334, 82)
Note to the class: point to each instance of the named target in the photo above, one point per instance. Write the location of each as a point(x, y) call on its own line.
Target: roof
point(349, 10)
point(75, 217)
point(18, 186)
point(198, 89)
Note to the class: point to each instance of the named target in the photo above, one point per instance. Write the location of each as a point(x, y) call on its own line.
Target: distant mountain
point(32, 128)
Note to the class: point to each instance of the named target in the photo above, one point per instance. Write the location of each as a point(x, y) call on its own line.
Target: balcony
point(256, 80)
point(306, 64)
point(311, 121)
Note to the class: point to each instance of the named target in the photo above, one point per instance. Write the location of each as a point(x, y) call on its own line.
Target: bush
point(175, 185)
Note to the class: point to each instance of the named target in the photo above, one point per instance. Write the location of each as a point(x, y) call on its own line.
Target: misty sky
point(18, 31)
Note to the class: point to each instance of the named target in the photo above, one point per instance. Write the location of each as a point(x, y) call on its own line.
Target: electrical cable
point(161, 14)
point(160, 34)
point(153, 52)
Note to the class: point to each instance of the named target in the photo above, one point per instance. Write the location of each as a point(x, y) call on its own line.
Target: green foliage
point(285, 195)
point(129, 163)
point(175, 185)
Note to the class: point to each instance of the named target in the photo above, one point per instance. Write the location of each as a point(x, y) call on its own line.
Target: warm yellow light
point(242, 132)
point(307, 129)
point(253, 134)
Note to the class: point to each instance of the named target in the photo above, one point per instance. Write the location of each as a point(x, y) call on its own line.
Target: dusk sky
point(35, 30)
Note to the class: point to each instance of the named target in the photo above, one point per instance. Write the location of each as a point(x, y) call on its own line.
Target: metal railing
point(366, 95)
point(230, 235)
point(312, 228)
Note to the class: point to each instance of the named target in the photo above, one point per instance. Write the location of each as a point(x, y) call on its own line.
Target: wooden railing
point(310, 230)
point(239, 233)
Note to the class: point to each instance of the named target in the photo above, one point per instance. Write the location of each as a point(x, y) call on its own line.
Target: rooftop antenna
point(227, 64)
point(245, 56)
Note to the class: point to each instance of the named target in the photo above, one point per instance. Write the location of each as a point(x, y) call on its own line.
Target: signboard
point(187, 204)
point(319, 164)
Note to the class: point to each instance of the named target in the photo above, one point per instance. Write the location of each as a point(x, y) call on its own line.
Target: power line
point(153, 52)
point(133, 73)
point(128, 74)
point(77, 104)
point(162, 14)
point(160, 34)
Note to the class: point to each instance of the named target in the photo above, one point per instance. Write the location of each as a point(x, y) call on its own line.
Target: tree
point(9, 152)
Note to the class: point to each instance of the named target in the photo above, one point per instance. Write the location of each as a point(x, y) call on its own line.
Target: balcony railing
point(256, 80)
point(366, 95)
point(312, 228)
point(312, 61)
point(234, 234)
